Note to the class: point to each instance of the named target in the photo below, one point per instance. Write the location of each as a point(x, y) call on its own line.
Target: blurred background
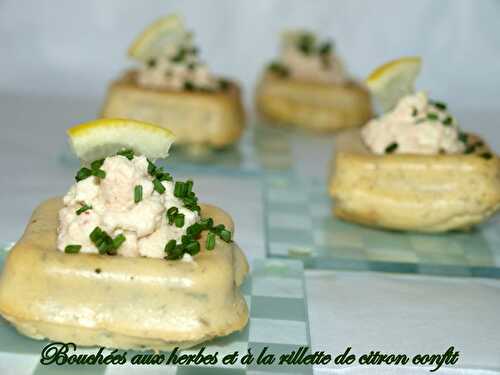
point(73, 48)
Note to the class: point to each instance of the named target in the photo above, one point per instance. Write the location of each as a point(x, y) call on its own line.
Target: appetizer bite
point(172, 87)
point(128, 258)
point(309, 87)
point(413, 168)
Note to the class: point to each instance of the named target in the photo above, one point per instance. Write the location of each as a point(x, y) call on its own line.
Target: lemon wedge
point(393, 80)
point(153, 40)
point(100, 138)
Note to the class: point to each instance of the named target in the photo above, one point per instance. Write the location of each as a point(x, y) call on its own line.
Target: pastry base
point(114, 301)
point(422, 193)
point(315, 106)
point(213, 119)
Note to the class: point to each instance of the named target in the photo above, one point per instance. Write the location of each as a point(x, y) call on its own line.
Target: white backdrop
point(75, 47)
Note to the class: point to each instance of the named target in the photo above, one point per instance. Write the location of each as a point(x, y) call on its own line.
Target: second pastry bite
point(174, 88)
point(413, 170)
point(309, 87)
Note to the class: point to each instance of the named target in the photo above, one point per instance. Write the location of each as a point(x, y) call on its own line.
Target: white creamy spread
point(144, 224)
point(178, 68)
point(415, 126)
point(306, 58)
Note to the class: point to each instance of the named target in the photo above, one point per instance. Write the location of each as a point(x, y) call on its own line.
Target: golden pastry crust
point(316, 106)
point(138, 303)
point(423, 193)
point(214, 119)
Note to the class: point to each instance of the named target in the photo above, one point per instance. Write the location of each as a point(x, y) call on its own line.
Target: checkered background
point(276, 299)
point(300, 224)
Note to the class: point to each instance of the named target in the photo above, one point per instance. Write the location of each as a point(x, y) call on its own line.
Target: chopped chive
point(225, 235)
point(118, 240)
point(151, 63)
point(432, 116)
point(171, 213)
point(151, 168)
point(170, 246)
point(448, 120)
point(82, 174)
point(194, 230)
point(82, 209)
point(440, 105)
point(179, 189)
point(279, 69)
point(306, 43)
point(210, 245)
point(223, 84)
point(158, 186)
point(179, 220)
point(185, 239)
point(175, 253)
point(163, 176)
point(207, 223)
point(463, 137)
point(391, 148)
point(219, 228)
point(414, 112)
point(189, 186)
point(96, 164)
point(470, 149)
point(95, 234)
point(325, 48)
point(99, 173)
point(486, 155)
point(128, 153)
point(137, 193)
point(189, 86)
point(72, 249)
point(193, 248)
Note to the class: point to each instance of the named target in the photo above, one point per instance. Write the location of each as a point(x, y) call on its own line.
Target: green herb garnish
point(104, 243)
point(158, 186)
point(170, 246)
point(82, 174)
point(179, 220)
point(223, 84)
point(325, 48)
point(279, 69)
point(128, 153)
point(486, 155)
point(463, 137)
point(414, 112)
point(96, 164)
point(470, 149)
point(306, 43)
point(137, 193)
point(439, 105)
point(432, 116)
point(189, 86)
point(210, 245)
point(72, 249)
point(391, 148)
point(171, 214)
point(82, 209)
point(448, 120)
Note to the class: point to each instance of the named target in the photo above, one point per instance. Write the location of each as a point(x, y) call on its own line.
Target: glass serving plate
point(300, 225)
